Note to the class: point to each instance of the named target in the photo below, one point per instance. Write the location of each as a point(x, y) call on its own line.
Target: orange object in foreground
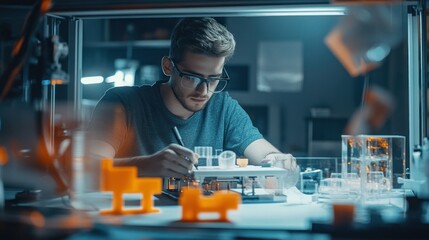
point(343, 214)
point(3, 155)
point(193, 203)
point(124, 179)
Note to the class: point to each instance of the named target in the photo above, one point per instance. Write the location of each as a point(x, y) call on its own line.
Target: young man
point(137, 122)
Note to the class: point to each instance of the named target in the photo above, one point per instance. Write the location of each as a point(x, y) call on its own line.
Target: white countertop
point(298, 213)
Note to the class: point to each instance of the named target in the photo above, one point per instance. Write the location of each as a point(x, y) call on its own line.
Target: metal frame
point(198, 11)
point(148, 9)
point(75, 65)
point(417, 86)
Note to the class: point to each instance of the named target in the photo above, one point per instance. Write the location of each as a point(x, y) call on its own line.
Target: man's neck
point(172, 102)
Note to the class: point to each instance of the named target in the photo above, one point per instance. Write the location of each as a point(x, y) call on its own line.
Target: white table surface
point(298, 213)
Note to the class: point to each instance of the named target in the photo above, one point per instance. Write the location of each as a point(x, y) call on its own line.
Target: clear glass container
point(377, 160)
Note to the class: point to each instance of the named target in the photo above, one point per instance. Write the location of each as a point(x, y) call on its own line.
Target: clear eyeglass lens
point(190, 81)
point(193, 82)
point(220, 86)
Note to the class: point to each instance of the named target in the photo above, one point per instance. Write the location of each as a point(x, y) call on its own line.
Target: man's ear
point(167, 67)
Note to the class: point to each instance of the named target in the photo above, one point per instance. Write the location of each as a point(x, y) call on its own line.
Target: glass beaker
point(227, 159)
point(85, 169)
point(218, 151)
point(205, 155)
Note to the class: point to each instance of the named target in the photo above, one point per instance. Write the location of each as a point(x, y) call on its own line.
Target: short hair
point(203, 36)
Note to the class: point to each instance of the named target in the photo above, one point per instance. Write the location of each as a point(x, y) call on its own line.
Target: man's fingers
point(286, 161)
point(183, 156)
point(176, 162)
point(184, 152)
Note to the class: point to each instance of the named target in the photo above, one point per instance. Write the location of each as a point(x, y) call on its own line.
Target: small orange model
point(193, 203)
point(123, 179)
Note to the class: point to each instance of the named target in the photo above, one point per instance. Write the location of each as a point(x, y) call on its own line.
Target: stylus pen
point(179, 139)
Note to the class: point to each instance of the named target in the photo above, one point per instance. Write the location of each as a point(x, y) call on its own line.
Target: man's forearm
point(258, 150)
point(128, 161)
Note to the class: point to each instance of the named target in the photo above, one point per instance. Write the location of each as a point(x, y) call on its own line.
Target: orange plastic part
point(343, 214)
point(124, 179)
point(193, 203)
point(3, 155)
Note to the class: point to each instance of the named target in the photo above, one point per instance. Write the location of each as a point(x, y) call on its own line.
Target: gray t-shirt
point(135, 121)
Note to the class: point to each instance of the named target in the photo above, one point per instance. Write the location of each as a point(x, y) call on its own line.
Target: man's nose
point(203, 87)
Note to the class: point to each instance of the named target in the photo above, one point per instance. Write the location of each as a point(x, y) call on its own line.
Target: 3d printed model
point(120, 180)
point(193, 203)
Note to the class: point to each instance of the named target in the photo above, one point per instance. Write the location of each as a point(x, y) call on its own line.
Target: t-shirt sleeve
point(109, 121)
point(240, 131)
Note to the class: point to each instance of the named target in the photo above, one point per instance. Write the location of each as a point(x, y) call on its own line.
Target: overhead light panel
point(304, 11)
point(92, 80)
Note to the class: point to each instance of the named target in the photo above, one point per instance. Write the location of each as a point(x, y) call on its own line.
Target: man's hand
point(287, 162)
point(172, 161)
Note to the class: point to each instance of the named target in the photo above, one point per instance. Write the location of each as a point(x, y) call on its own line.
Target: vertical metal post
point(423, 57)
point(416, 80)
point(51, 30)
point(75, 66)
point(413, 79)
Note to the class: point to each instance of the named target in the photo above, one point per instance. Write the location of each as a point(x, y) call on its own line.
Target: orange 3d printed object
point(193, 203)
point(120, 180)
